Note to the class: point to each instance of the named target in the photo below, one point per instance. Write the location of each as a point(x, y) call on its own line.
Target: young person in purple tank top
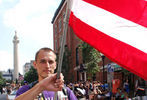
point(48, 84)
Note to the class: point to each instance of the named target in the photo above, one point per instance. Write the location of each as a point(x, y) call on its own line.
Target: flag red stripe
point(134, 10)
point(123, 54)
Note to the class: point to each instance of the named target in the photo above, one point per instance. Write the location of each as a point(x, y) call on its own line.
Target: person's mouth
point(47, 71)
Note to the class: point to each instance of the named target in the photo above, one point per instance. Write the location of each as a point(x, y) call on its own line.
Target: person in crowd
point(118, 94)
point(81, 92)
point(47, 84)
point(107, 94)
point(100, 92)
point(9, 89)
point(25, 83)
point(115, 85)
point(17, 86)
point(70, 85)
point(87, 89)
point(140, 88)
point(1, 89)
point(126, 86)
point(124, 95)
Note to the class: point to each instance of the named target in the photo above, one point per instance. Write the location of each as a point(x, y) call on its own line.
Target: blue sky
point(32, 21)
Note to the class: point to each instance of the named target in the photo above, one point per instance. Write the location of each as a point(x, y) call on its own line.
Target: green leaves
point(31, 75)
point(2, 80)
point(91, 58)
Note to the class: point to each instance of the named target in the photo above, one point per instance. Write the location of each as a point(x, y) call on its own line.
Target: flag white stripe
point(111, 24)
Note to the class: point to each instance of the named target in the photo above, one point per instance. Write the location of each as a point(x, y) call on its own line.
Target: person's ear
point(34, 63)
point(56, 65)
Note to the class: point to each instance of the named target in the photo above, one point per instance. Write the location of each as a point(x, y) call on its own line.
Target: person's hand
point(51, 83)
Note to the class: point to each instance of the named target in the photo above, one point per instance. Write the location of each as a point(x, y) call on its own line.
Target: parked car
point(12, 95)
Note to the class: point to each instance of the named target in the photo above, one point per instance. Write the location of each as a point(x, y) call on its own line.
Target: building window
point(55, 29)
point(63, 16)
point(77, 56)
point(56, 45)
point(60, 40)
point(60, 24)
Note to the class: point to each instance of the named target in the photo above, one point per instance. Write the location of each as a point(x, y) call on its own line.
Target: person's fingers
point(56, 85)
point(61, 76)
point(59, 80)
point(59, 84)
point(52, 77)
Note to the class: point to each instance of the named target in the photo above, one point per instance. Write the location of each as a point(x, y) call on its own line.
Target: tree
point(1, 75)
point(91, 58)
point(31, 75)
point(2, 80)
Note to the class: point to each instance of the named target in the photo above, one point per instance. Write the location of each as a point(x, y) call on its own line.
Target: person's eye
point(51, 62)
point(42, 61)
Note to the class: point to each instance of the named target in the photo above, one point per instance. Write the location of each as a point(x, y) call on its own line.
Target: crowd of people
point(91, 90)
point(95, 90)
point(9, 87)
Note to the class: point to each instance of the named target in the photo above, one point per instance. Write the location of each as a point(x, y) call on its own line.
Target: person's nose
point(47, 64)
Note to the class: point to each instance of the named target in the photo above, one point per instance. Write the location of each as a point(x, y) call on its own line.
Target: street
point(3, 97)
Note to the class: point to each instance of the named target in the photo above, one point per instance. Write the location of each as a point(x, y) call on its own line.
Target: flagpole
point(62, 45)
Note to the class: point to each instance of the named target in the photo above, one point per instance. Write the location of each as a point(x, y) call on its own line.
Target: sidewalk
point(140, 98)
point(3, 97)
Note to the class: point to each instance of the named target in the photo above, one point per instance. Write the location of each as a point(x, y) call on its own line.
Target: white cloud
point(6, 61)
point(32, 18)
point(6, 1)
point(26, 10)
point(0, 1)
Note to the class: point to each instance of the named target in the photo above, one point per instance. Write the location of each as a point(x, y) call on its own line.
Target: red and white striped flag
point(117, 28)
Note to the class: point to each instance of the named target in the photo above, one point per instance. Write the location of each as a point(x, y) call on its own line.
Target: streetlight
point(103, 58)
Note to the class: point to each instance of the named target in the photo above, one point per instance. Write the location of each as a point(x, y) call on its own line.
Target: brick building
point(72, 41)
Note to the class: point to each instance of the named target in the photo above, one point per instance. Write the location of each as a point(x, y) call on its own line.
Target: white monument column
point(15, 42)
